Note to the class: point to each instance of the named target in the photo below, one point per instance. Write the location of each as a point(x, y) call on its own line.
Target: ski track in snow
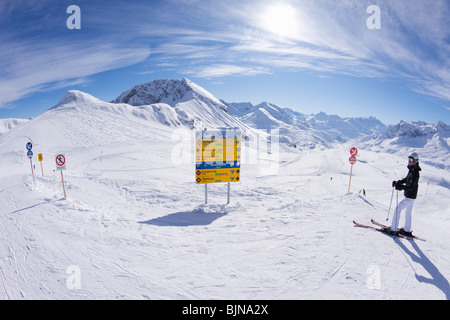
point(143, 232)
point(135, 226)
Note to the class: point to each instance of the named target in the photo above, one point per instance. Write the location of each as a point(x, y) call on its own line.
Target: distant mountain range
point(304, 131)
point(182, 103)
point(432, 141)
point(199, 109)
point(296, 129)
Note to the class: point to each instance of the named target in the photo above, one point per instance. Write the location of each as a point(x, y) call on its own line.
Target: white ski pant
point(406, 204)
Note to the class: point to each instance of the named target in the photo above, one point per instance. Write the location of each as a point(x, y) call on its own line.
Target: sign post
point(352, 160)
point(29, 146)
point(60, 166)
point(217, 158)
point(40, 158)
point(30, 155)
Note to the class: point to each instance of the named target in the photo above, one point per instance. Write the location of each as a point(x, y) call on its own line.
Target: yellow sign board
point(218, 175)
point(218, 150)
point(40, 158)
point(218, 156)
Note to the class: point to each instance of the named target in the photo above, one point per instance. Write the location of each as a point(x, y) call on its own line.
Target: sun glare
point(281, 19)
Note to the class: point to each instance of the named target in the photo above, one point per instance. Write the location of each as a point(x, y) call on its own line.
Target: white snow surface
point(134, 224)
point(9, 124)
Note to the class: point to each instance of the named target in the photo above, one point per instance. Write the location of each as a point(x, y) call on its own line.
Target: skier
point(410, 185)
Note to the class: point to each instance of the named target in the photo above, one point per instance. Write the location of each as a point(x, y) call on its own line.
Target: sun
point(281, 19)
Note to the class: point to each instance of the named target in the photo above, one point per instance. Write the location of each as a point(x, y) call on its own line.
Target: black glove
point(398, 186)
point(394, 183)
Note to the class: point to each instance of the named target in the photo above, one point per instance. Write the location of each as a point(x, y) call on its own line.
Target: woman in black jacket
point(410, 185)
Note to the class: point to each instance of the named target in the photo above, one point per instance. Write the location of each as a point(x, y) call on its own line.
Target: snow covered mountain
point(79, 119)
point(324, 131)
point(305, 131)
point(167, 91)
point(182, 103)
point(431, 141)
point(198, 108)
point(190, 104)
point(405, 132)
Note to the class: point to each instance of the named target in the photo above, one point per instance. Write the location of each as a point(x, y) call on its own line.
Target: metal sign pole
point(206, 193)
point(228, 198)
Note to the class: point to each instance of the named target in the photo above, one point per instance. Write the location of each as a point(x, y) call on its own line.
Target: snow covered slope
point(135, 226)
point(82, 121)
point(8, 124)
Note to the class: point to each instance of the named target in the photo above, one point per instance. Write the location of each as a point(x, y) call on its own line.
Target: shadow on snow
point(436, 277)
point(196, 217)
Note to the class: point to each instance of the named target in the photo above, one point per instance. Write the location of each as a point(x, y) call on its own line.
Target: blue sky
point(309, 55)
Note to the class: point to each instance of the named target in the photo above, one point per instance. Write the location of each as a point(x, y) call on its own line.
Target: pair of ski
point(414, 237)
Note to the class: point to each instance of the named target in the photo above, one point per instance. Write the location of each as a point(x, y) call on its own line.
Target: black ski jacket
point(411, 183)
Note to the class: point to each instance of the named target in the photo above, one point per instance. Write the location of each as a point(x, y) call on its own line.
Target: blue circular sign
point(30, 154)
point(29, 146)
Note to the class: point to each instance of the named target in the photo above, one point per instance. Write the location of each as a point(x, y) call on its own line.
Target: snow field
point(135, 226)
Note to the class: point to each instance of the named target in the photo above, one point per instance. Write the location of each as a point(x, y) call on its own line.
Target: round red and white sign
point(60, 160)
point(353, 151)
point(352, 160)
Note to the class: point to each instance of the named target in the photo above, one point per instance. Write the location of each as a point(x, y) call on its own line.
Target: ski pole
point(390, 204)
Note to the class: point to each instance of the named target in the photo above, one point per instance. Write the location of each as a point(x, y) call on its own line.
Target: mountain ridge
point(182, 103)
point(169, 91)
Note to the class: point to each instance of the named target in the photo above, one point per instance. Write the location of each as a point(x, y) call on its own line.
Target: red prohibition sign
point(60, 160)
point(352, 160)
point(353, 151)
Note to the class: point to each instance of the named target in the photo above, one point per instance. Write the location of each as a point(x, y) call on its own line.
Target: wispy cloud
point(38, 53)
point(30, 67)
point(225, 70)
point(327, 36)
point(223, 38)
